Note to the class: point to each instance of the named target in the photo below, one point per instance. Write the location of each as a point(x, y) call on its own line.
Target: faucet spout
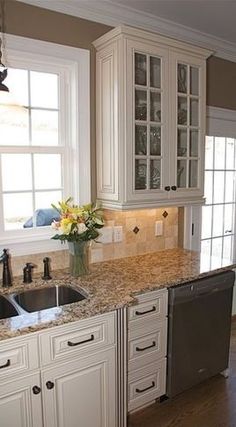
point(6, 273)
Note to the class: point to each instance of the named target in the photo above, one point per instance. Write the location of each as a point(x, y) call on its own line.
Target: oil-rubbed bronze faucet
point(6, 273)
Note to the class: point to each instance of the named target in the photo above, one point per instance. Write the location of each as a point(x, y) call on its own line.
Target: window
point(218, 214)
point(44, 137)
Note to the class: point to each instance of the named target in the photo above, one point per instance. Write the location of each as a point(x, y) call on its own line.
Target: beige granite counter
point(111, 285)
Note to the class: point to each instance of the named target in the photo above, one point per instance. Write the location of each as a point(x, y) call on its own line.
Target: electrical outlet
point(118, 233)
point(105, 235)
point(158, 228)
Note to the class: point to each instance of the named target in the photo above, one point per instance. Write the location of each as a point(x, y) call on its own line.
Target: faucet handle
point(46, 269)
point(27, 272)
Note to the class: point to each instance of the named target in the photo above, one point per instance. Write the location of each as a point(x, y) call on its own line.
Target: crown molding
point(109, 13)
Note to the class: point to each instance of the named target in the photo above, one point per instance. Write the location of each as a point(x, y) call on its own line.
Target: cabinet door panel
point(83, 393)
point(19, 407)
point(187, 130)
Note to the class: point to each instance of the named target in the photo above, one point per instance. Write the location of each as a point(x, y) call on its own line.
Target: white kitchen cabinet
point(20, 402)
point(81, 392)
point(150, 120)
point(70, 380)
point(147, 349)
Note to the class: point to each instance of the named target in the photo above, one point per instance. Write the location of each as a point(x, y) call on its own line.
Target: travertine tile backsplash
point(133, 244)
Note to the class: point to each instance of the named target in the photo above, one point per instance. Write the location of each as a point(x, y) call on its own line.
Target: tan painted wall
point(221, 83)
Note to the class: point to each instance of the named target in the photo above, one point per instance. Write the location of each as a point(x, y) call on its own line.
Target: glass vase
point(78, 258)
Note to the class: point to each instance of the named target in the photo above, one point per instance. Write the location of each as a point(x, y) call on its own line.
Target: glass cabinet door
point(148, 122)
point(188, 126)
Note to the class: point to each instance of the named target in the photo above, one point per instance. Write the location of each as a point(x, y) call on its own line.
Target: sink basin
point(40, 299)
point(6, 308)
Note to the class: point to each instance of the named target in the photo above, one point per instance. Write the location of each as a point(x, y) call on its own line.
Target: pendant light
point(3, 69)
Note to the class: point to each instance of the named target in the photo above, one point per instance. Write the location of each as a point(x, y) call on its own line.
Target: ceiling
point(207, 23)
point(215, 17)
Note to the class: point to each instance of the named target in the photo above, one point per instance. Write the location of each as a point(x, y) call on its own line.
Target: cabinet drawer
point(80, 337)
point(146, 384)
point(147, 347)
point(155, 307)
point(18, 355)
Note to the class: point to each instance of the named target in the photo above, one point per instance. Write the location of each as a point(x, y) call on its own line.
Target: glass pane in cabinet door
point(181, 173)
point(155, 72)
point(193, 173)
point(140, 105)
point(182, 110)
point(155, 174)
point(155, 140)
point(140, 69)
point(182, 143)
point(182, 78)
point(193, 143)
point(155, 107)
point(194, 112)
point(140, 140)
point(194, 84)
point(140, 174)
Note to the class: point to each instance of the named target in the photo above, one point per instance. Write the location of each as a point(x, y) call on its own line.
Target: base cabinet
point(19, 405)
point(81, 393)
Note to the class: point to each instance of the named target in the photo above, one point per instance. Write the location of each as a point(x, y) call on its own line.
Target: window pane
point(17, 82)
point(219, 153)
point(209, 152)
point(217, 220)
point(227, 245)
point(155, 174)
point(182, 143)
point(14, 126)
point(155, 141)
point(140, 69)
point(229, 214)
point(140, 140)
point(47, 169)
point(16, 172)
point(230, 153)
point(229, 187)
point(206, 221)
point(155, 107)
point(44, 89)
point(140, 174)
point(208, 186)
point(217, 247)
point(44, 199)
point(44, 127)
point(205, 254)
point(155, 72)
point(218, 187)
point(140, 105)
point(17, 210)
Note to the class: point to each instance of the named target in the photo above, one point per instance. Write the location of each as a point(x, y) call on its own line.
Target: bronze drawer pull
point(145, 389)
point(140, 313)
point(72, 344)
point(145, 348)
point(8, 362)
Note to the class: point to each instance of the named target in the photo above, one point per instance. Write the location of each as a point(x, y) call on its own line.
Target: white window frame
point(74, 63)
point(220, 123)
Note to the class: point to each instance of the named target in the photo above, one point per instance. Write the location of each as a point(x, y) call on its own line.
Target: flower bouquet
point(78, 225)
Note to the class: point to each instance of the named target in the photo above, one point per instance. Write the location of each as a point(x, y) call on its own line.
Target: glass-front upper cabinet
point(148, 122)
point(187, 112)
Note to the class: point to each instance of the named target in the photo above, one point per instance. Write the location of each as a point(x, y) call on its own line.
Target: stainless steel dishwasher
point(198, 331)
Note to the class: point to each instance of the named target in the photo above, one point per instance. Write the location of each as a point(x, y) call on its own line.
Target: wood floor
point(210, 404)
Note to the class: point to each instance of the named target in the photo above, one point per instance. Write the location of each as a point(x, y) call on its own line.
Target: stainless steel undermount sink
point(41, 299)
point(6, 308)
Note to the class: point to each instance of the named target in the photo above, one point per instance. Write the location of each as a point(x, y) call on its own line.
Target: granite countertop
point(111, 285)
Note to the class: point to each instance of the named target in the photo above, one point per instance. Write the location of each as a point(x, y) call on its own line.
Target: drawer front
point(18, 355)
point(78, 338)
point(146, 385)
point(155, 308)
point(147, 348)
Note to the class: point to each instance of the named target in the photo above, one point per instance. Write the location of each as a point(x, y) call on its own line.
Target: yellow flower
point(65, 225)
